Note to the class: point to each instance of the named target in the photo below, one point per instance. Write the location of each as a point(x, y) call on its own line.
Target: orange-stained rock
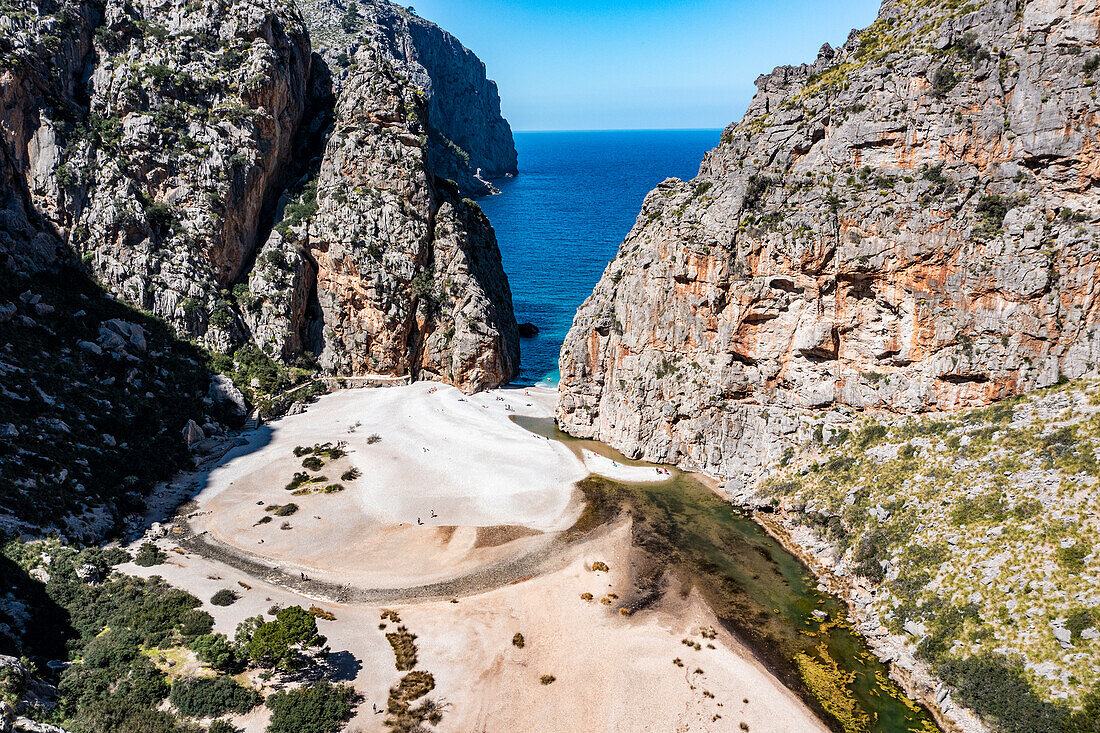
point(910, 223)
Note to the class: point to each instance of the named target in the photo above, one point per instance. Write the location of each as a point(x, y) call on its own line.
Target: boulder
point(224, 391)
point(192, 433)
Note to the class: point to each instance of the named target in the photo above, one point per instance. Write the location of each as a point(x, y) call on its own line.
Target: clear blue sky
point(580, 65)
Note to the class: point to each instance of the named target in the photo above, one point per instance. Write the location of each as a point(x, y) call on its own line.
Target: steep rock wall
point(909, 223)
point(468, 141)
point(160, 142)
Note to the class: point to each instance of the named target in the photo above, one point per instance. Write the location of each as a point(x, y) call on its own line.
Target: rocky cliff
point(467, 139)
point(391, 270)
point(176, 150)
point(909, 223)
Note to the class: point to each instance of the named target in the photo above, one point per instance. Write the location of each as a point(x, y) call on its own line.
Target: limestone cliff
point(159, 143)
point(467, 139)
point(394, 271)
point(910, 223)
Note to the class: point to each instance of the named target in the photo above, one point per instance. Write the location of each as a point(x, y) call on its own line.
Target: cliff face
point(159, 143)
point(406, 274)
point(909, 223)
point(467, 139)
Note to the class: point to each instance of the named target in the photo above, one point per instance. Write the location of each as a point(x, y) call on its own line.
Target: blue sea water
point(561, 220)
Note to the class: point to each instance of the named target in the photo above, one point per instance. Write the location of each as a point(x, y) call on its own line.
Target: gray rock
point(223, 390)
point(836, 251)
point(192, 433)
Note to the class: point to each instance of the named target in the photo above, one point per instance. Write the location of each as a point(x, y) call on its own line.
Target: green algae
point(759, 591)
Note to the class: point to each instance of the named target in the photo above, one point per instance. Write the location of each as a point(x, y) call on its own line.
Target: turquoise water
point(561, 220)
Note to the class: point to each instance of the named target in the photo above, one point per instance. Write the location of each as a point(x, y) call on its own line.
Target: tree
point(148, 555)
point(217, 651)
point(277, 644)
point(207, 697)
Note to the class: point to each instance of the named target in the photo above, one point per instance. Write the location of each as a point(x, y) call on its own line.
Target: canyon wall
point(909, 223)
point(203, 163)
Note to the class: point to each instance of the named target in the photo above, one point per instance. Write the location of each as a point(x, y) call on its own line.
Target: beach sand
point(499, 493)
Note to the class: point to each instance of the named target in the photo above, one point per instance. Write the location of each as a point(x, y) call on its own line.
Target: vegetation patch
point(209, 697)
point(319, 707)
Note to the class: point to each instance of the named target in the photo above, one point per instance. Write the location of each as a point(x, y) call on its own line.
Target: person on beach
point(418, 521)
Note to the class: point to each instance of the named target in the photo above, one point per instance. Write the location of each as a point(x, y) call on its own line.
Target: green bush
point(208, 697)
point(217, 651)
point(286, 510)
point(996, 689)
point(224, 597)
point(321, 707)
point(222, 726)
point(148, 555)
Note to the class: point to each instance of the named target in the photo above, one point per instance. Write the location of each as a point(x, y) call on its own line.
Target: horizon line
point(627, 129)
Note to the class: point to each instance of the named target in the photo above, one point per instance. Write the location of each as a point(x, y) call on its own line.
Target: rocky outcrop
point(192, 113)
point(43, 47)
point(408, 274)
point(159, 143)
point(379, 264)
point(910, 223)
point(468, 141)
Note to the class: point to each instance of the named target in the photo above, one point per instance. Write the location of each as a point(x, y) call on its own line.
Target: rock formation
point(406, 274)
point(160, 143)
point(467, 139)
point(909, 223)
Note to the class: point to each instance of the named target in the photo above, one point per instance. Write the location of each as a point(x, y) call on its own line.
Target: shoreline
point(461, 617)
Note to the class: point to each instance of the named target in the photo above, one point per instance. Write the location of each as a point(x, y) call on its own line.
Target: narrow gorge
point(821, 451)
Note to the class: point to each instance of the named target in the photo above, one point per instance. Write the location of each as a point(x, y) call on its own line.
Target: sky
point(639, 64)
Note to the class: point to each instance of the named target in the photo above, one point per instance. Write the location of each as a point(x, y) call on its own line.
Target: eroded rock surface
point(208, 167)
point(909, 223)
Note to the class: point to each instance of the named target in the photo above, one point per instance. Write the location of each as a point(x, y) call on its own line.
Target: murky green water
point(758, 589)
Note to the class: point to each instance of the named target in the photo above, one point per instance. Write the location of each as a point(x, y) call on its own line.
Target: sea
point(561, 220)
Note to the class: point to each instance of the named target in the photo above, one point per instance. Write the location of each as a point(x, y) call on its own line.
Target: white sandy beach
point(499, 492)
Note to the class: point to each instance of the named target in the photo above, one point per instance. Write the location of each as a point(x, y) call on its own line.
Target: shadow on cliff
point(96, 398)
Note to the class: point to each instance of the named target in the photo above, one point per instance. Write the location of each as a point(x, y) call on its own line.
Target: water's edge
point(769, 601)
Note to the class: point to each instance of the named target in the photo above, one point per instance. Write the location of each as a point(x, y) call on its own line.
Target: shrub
point(517, 640)
point(599, 565)
point(195, 623)
point(321, 707)
point(404, 648)
point(943, 81)
point(318, 612)
point(313, 463)
point(351, 474)
point(224, 597)
point(1073, 557)
point(997, 689)
point(286, 510)
point(148, 555)
point(547, 679)
point(217, 651)
point(207, 697)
